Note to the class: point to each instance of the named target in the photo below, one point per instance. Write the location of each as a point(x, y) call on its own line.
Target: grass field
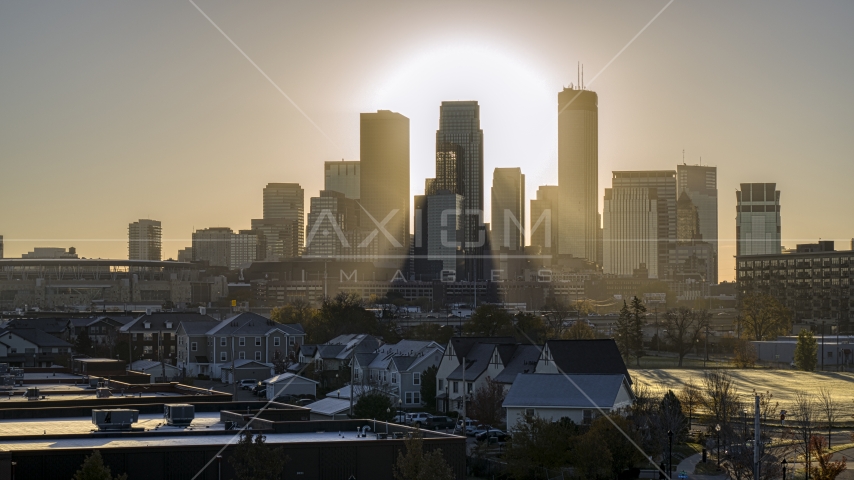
point(783, 384)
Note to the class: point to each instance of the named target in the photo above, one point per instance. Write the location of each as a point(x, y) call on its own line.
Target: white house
point(156, 369)
point(290, 384)
point(579, 397)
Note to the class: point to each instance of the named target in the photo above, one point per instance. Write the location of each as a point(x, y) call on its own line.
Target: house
point(290, 384)
point(330, 408)
point(249, 336)
point(156, 370)
point(194, 349)
point(579, 397)
point(153, 336)
point(521, 359)
point(465, 366)
point(58, 327)
point(246, 370)
point(599, 356)
point(397, 368)
point(337, 353)
point(100, 330)
point(31, 347)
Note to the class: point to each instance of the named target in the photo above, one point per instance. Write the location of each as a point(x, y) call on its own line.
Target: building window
point(242, 341)
point(241, 355)
point(469, 387)
point(291, 341)
point(456, 387)
point(587, 417)
point(222, 356)
point(416, 378)
point(148, 349)
point(147, 337)
point(133, 337)
point(222, 341)
point(193, 346)
point(277, 341)
point(393, 377)
point(258, 356)
point(441, 384)
point(257, 341)
point(413, 398)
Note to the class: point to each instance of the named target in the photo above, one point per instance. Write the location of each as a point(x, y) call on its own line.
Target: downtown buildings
point(144, 240)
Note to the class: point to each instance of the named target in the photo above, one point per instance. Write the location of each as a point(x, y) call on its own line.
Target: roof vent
point(202, 311)
point(148, 311)
point(114, 419)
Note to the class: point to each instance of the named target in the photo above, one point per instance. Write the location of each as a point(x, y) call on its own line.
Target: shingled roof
point(600, 356)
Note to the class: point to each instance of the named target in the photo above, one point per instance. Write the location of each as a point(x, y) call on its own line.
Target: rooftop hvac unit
point(32, 394)
point(114, 419)
point(103, 392)
point(179, 414)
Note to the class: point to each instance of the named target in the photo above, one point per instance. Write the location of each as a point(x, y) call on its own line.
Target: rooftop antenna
point(582, 77)
point(683, 156)
point(578, 74)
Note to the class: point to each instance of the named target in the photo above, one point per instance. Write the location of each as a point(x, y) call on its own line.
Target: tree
point(763, 317)
point(721, 400)
point(621, 441)
point(428, 386)
point(345, 314)
point(374, 404)
point(744, 353)
point(93, 468)
point(806, 351)
point(538, 443)
point(829, 408)
point(580, 331)
point(671, 416)
point(805, 411)
point(418, 465)
point(690, 398)
point(630, 329)
point(254, 460)
point(825, 468)
point(297, 311)
point(683, 329)
point(83, 344)
point(431, 332)
point(489, 321)
point(530, 328)
point(555, 313)
point(486, 403)
point(279, 364)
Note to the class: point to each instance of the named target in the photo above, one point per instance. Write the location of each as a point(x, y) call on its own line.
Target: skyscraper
point(213, 245)
point(342, 177)
point(630, 231)
point(701, 185)
point(662, 184)
point(247, 246)
point(1, 246)
point(444, 229)
point(545, 220)
point(508, 209)
point(459, 169)
point(578, 170)
point(283, 223)
point(757, 220)
point(384, 184)
point(144, 240)
point(333, 222)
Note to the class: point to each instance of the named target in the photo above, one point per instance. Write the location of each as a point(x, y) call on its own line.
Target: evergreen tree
point(638, 320)
point(83, 344)
point(806, 351)
point(418, 465)
point(376, 405)
point(93, 468)
point(254, 460)
point(428, 386)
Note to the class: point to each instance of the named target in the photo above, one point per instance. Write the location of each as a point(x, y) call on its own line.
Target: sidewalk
point(687, 465)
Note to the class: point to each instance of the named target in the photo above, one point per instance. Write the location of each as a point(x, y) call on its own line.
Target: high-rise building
point(213, 245)
point(1, 246)
point(508, 209)
point(663, 182)
point(444, 229)
point(459, 169)
point(144, 240)
point(544, 220)
point(687, 220)
point(630, 231)
point(342, 177)
point(701, 184)
point(757, 219)
point(283, 223)
point(578, 172)
point(247, 246)
point(332, 222)
point(384, 185)
point(185, 254)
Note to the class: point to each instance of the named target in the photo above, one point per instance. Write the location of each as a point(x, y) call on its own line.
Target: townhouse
point(397, 368)
point(31, 347)
point(153, 336)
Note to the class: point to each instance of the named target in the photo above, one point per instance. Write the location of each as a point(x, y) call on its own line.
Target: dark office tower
point(757, 219)
point(508, 209)
point(687, 220)
point(283, 224)
point(545, 229)
point(460, 138)
point(384, 184)
point(662, 189)
point(578, 169)
point(701, 185)
point(1, 246)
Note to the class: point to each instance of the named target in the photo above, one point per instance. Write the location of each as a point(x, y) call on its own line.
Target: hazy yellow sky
point(110, 112)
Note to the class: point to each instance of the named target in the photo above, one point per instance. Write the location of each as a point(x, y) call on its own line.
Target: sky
point(115, 111)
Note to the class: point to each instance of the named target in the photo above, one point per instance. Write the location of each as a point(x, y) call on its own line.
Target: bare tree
point(555, 314)
point(684, 328)
point(691, 398)
point(486, 404)
point(762, 317)
point(806, 413)
point(830, 410)
point(720, 399)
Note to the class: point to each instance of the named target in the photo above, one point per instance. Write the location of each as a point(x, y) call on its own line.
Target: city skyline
point(644, 124)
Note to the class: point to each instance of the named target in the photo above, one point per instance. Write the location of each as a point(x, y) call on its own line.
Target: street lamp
point(388, 414)
point(669, 453)
point(718, 433)
point(785, 464)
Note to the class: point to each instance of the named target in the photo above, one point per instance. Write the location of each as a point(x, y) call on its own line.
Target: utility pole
point(757, 454)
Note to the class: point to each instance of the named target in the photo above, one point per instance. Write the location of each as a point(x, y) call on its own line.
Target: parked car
point(399, 417)
point(260, 389)
point(246, 384)
point(477, 430)
point(491, 433)
point(439, 423)
point(463, 427)
point(417, 419)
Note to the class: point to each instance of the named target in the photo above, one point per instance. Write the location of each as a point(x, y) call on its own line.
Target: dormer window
point(168, 324)
point(146, 325)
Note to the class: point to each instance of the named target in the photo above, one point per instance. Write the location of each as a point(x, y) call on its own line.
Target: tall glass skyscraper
point(459, 144)
point(578, 170)
point(508, 209)
point(700, 183)
point(757, 219)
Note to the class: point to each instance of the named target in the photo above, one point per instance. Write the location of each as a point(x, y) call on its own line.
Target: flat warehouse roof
point(83, 425)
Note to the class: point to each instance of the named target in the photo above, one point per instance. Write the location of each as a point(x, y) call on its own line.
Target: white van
point(465, 427)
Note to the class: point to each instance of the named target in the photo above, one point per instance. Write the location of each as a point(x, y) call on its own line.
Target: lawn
point(783, 384)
